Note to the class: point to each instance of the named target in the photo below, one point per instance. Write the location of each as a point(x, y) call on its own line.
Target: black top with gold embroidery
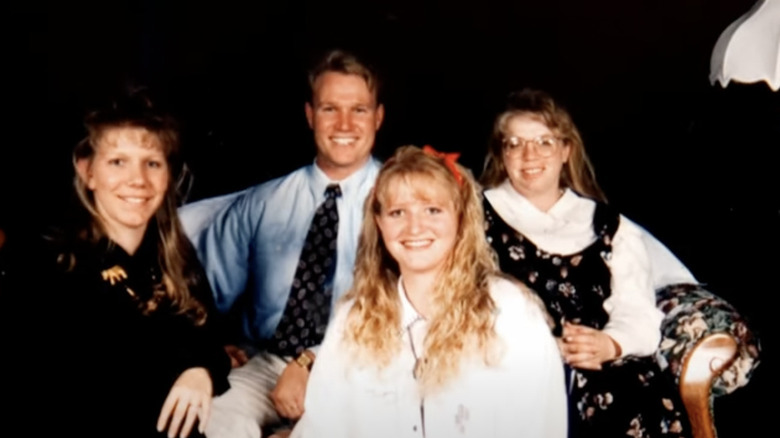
point(102, 363)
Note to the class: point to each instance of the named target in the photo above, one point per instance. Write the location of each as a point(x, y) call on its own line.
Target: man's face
point(345, 117)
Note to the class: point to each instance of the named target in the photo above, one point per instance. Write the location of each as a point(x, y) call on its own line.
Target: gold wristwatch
point(305, 360)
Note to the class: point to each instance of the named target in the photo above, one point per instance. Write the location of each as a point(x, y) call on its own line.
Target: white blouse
point(639, 264)
point(521, 396)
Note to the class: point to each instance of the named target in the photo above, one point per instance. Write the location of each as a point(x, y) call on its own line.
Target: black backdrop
point(691, 162)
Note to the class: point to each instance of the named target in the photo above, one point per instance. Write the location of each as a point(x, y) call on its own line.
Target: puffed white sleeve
point(533, 394)
point(634, 320)
point(326, 411)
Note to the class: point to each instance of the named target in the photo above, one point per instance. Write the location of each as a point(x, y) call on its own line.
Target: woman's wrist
point(618, 352)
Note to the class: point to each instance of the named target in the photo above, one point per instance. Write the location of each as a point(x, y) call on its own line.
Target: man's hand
point(188, 400)
point(290, 391)
point(585, 347)
point(238, 357)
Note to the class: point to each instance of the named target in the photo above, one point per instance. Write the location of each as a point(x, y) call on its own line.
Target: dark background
point(694, 164)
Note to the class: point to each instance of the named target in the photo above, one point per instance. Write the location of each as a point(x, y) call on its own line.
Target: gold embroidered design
point(114, 275)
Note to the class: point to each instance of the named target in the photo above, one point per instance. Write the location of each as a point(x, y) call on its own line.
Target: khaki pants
point(246, 407)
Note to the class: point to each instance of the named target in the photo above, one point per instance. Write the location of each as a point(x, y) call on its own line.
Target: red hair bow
point(449, 161)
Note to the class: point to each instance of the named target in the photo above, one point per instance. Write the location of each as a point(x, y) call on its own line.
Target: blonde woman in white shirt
point(595, 270)
point(431, 342)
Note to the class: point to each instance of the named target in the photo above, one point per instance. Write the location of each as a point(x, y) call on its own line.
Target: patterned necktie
point(307, 311)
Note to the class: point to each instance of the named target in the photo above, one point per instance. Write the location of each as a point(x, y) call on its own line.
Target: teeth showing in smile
point(133, 200)
point(417, 243)
point(533, 171)
point(343, 141)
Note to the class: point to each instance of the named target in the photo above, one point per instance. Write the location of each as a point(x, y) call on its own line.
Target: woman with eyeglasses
point(549, 222)
point(431, 341)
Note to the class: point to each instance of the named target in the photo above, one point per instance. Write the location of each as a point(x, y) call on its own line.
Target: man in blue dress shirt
point(250, 249)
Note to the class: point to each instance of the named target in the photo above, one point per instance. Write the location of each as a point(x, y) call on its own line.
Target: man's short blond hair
point(340, 61)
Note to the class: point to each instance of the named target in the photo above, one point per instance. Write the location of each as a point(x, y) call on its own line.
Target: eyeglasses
point(544, 145)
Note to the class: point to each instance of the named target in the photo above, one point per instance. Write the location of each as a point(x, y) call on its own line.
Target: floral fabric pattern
point(693, 313)
point(630, 396)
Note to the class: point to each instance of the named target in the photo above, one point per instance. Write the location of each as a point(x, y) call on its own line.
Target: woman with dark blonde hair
point(596, 271)
point(119, 293)
point(431, 341)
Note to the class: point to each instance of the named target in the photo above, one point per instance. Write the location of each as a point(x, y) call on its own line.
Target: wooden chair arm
point(713, 354)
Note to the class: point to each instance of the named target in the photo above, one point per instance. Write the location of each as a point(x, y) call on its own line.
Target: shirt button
point(414, 428)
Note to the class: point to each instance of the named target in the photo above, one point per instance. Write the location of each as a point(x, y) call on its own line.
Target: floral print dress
point(630, 396)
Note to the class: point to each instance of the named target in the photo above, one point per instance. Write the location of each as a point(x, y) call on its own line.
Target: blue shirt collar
point(319, 181)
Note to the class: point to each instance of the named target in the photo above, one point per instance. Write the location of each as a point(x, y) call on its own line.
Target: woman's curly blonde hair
point(461, 325)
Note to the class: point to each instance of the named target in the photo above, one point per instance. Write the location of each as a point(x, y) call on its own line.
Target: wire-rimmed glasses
point(544, 145)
